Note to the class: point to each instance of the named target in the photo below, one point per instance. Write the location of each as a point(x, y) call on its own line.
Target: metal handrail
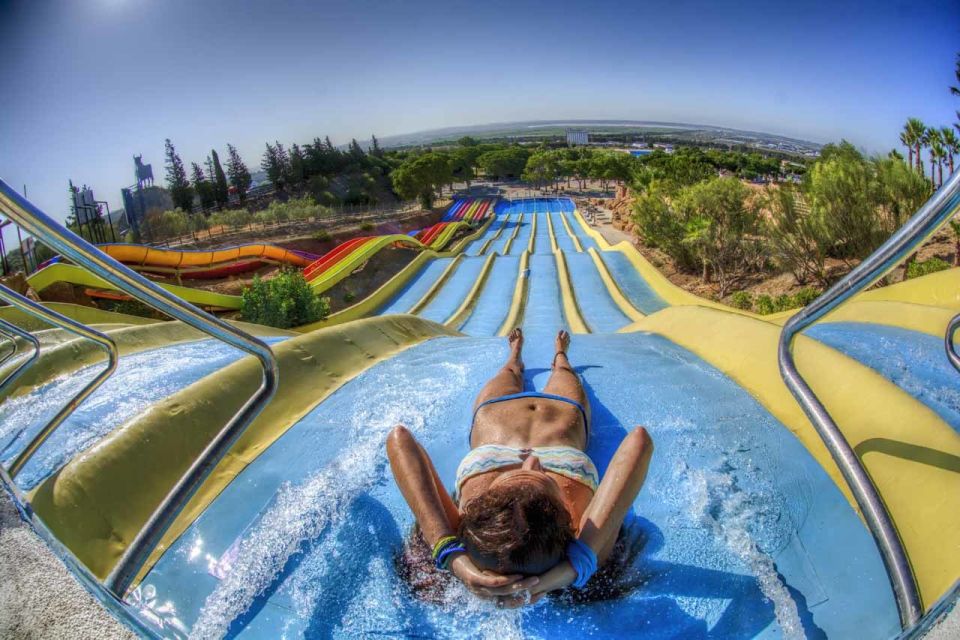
point(12, 331)
point(81, 252)
point(52, 317)
point(952, 327)
point(931, 216)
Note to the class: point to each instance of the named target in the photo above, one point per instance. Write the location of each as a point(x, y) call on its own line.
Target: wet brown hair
point(516, 528)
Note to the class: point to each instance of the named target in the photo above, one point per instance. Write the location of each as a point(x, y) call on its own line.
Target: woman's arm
point(621, 483)
point(437, 515)
point(604, 515)
point(421, 488)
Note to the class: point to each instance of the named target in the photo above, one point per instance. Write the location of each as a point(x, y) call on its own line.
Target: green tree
point(937, 155)
point(284, 301)
point(202, 187)
point(221, 192)
point(420, 176)
point(375, 149)
point(504, 163)
point(799, 242)
point(915, 131)
point(177, 182)
point(720, 227)
point(240, 178)
point(542, 168)
point(298, 166)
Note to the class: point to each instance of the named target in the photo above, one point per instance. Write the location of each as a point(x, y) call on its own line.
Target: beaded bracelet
point(440, 544)
point(446, 555)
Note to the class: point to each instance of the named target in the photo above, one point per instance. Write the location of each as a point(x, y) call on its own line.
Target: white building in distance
point(577, 136)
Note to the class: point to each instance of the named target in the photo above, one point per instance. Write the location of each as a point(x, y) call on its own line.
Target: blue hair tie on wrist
point(584, 562)
point(445, 555)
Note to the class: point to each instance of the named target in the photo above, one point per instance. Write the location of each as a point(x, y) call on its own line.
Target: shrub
point(765, 304)
point(366, 226)
point(805, 296)
point(283, 302)
point(922, 268)
point(742, 300)
point(349, 297)
point(322, 236)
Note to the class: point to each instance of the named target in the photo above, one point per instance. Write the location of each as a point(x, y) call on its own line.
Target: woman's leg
point(510, 378)
point(564, 381)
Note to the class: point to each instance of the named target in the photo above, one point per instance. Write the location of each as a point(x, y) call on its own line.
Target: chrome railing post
point(52, 317)
point(82, 253)
point(13, 332)
point(952, 327)
point(931, 216)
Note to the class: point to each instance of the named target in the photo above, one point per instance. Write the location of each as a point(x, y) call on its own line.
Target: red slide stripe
point(333, 254)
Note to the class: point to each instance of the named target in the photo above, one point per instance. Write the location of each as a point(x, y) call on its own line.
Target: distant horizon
point(586, 122)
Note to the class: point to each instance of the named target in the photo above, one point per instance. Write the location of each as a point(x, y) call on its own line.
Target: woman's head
point(518, 525)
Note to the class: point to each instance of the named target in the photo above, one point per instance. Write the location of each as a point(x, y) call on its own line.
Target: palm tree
point(916, 130)
point(906, 137)
point(937, 153)
point(951, 144)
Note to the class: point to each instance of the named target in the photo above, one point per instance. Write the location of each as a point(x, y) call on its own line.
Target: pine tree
point(375, 149)
point(298, 170)
point(177, 183)
point(283, 158)
point(271, 164)
point(203, 187)
point(221, 192)
point(238, 173)
point(356, 151)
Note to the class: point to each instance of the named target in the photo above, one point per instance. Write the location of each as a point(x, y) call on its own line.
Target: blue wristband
point(584, 562)
point(444, 556)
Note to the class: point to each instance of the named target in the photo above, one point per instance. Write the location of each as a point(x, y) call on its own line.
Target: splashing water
point(300, 513)
point(719, 503)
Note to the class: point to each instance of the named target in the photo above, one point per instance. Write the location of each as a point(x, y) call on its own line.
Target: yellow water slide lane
point(573, 237)
point(72, 274)
point(613, 288)
point(135, 254)
point(513, 236)
point(519, 301)
point(95, 504)
point(912, 455)
point(486, 245)
point(458, 317)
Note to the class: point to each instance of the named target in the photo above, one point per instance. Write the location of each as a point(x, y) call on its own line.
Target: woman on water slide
point(530, 514)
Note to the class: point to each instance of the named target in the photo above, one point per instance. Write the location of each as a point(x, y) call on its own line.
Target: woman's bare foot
point(515, 339)
point(563, 341)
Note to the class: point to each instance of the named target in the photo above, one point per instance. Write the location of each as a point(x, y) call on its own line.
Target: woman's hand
point(488, 584)
point(560, 576)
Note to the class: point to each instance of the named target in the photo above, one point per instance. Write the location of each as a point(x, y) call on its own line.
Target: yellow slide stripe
point(553, 237)
point(519, 302)
point(573, 237)
point(72, 274)
point(513, 236)
point(463, 311)
point(437, 285)
point(613, 289)
point(570, 309)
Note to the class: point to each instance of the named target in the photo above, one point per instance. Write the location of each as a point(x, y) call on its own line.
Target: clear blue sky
point(89, 83)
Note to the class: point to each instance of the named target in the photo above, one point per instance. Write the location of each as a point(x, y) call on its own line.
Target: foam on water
point(300, 513)
point(718, 502)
